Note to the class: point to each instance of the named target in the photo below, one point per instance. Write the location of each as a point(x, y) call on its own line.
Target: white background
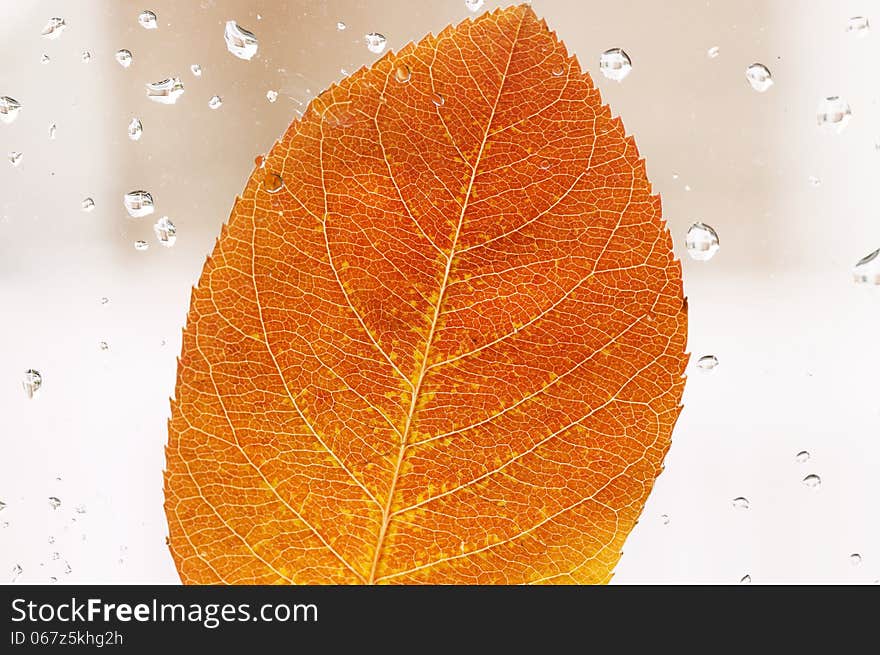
point(797, 340)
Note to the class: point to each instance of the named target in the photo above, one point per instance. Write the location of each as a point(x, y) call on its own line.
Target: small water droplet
point(15, 157)
point(44, 58)
point(340, 26)
point(375, 42)
point(558, 70)
point(814, 181)
point(138, 203)
point(85, 57)
point(707, 363)
point(271, 95)
point(9, 109)
point(135, 129)
point(802, 456)
point(713, 52)
point(54, 28)
point(812, 481)
point(147, 20)
point(165, 231)
point(741, 502)
point(56, 556)
point(53, 579)
point(701, 242)
point(105, 300)
point(615, 64)
point(759, 77)
point(53, 131)
point(272, 182)
point(746, 579)
point(867, 269)
point(103, 345)
point(215, 102)
point(239, 41)
point(32, 382)
point(80, 509)
point(858, 26)
point(833, 114)
point(165, 92)
point(67, 569)
point(402, 73)
point(54, 502)
point(855, 559)
point(87, 204)
point(438, 100)
point(123, 58)
point(473, 5)
point(665, 519)
point(16, 571)
point(544, 165)
point(141, 245)
point(196, 70)
point(2, 505)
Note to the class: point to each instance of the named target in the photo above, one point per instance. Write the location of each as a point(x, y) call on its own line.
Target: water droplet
point(272, 182)
point(740, 502)
point(9, 108)
point(867, 269)
point(105, 300)
point(165, 231)
point(138, 203)
point(147, 20)
point(834, 114)
point(713, 52)
point(16, 571)
point(123, 57)
point(53, 579)
point(196, 70)
point(32, 382)
point(340, 26)
point(103, 345)
point(473, 5)
point(53, 130)
point(759, 77)
point(15, 157)
point(707, 363)
point(141, 245)
point(557, 71)
point(855, 559)
point(54, 28)
point(135, 129)
point(746, 579)
point(665, 519)
point(271, 95)
point(215, 102)
point(239, 41)
point(438, 100)
point(402, 73)
point(812, 481)
point(814, 181)
point(615, 64)
point(165, 92)
point(87, 204)
point(859, 26)
point(67, 569)
point(85, 57)
point(54, 502)
point(56, 556)
point(44, 58)
point(802, 456)
point(2, 505)
point(375, 42)
point(701, 242)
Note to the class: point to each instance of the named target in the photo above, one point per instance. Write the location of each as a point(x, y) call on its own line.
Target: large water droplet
point(802, 456)
point(138, 203)
point(271, 95)
point(215, 102)
point(165, 92)
point(54, 28)
point(54, 502)
point(855, 559)
point(196, 70)
point(615, 64)
point(759, 77)
point(147, 20)
point(402, 73)
point(87, 204)
point(15, 157)
point(833, 114)
point(858, 25)
point(141, 245)
point(32, 382)
point(812, 481)
point(135, 129)
point(123, 57)
point(375, 42)
point(707, 363)
point(239, 41)
point(473, 5)
point(741, 502)
point(713, 52)
point(165, 231)
point(9, 108)
point(867, 269)
point(701, 242)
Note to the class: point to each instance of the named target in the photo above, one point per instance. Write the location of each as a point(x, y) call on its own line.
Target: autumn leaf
point(441, 338)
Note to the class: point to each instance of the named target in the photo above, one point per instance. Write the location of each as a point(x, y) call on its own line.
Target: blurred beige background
point(796, 339)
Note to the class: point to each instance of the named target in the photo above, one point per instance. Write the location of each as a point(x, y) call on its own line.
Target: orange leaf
point(441, 338)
